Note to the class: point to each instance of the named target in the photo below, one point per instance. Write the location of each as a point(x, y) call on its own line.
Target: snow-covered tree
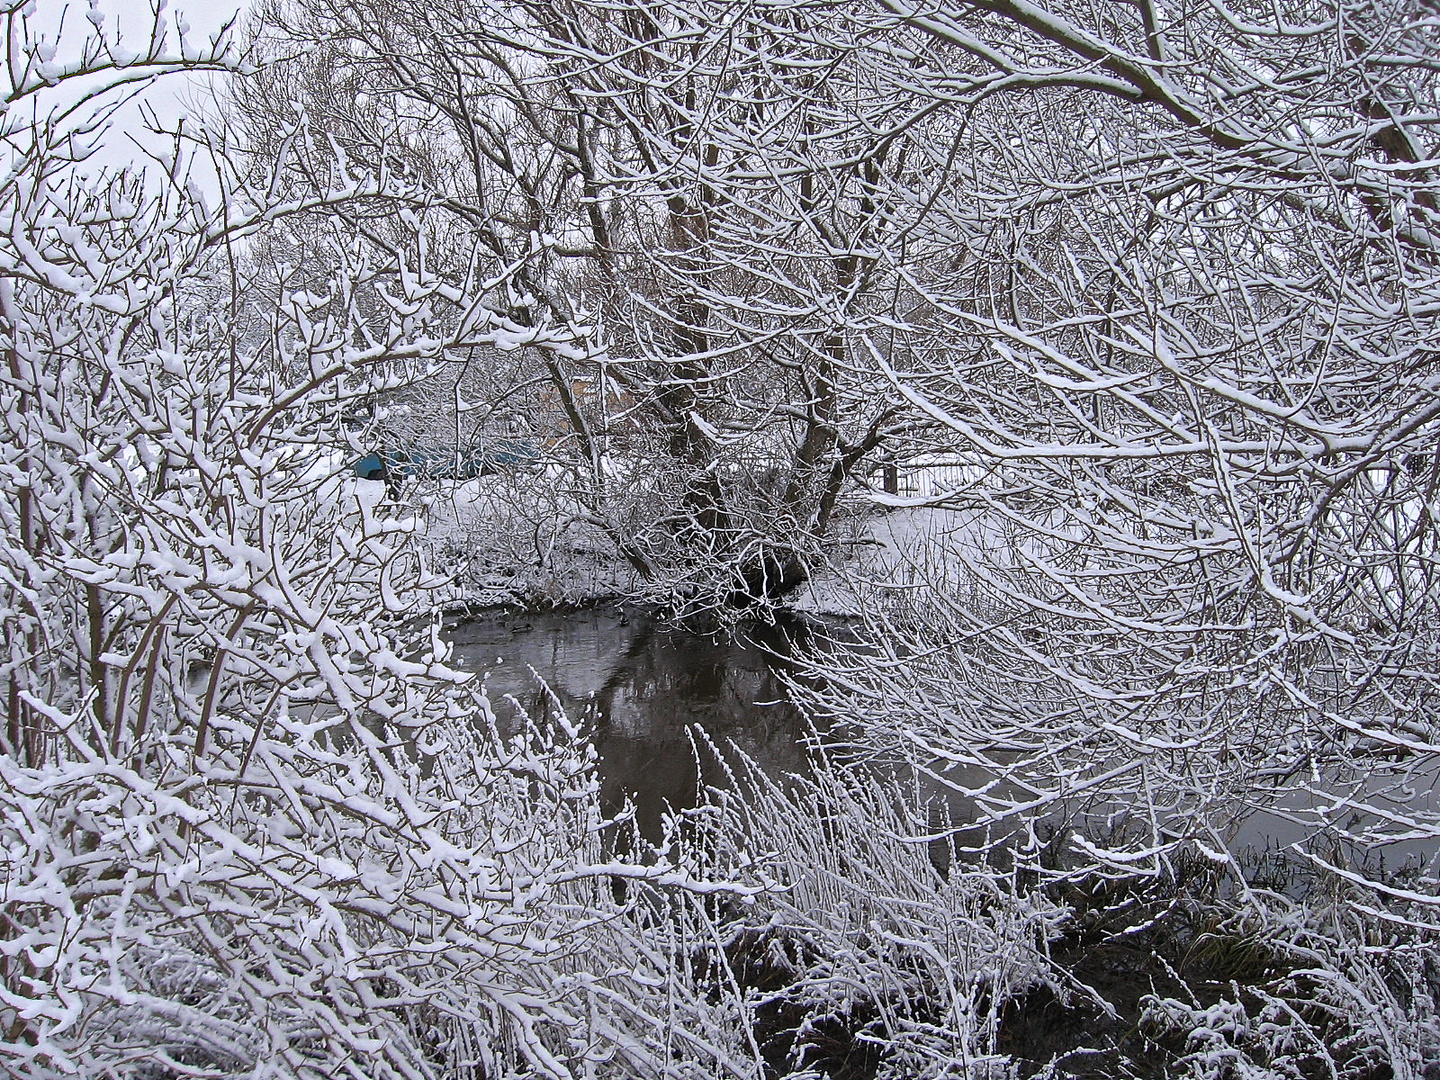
point(1184, 341)
point(700, 187)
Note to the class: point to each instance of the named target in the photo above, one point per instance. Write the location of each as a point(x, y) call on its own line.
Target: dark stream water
point(642, 688)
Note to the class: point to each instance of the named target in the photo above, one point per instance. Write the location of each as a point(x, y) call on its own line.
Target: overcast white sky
point(129, 23)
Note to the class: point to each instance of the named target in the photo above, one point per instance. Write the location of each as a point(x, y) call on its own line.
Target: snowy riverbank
point(510, 547)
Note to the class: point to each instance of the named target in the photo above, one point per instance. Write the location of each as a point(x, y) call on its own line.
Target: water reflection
point(642, 687)
point(1377, 818)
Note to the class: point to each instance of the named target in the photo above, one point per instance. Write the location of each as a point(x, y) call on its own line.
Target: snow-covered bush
point(1345, 995)
point(249, 822)
point(873, 946)
point(298, 901)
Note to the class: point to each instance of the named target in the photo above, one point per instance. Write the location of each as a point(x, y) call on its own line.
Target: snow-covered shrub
point(865, 942)
point(517, 537)
point(1347, 996)
point(978, 701)
point(250, 824)
point(310, 901)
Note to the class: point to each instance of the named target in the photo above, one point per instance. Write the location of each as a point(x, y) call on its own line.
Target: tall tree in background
point(701, 189)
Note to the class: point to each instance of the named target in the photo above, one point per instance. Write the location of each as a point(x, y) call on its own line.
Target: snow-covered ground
point(511, 539)
point(516, 539)
point(906, 546)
